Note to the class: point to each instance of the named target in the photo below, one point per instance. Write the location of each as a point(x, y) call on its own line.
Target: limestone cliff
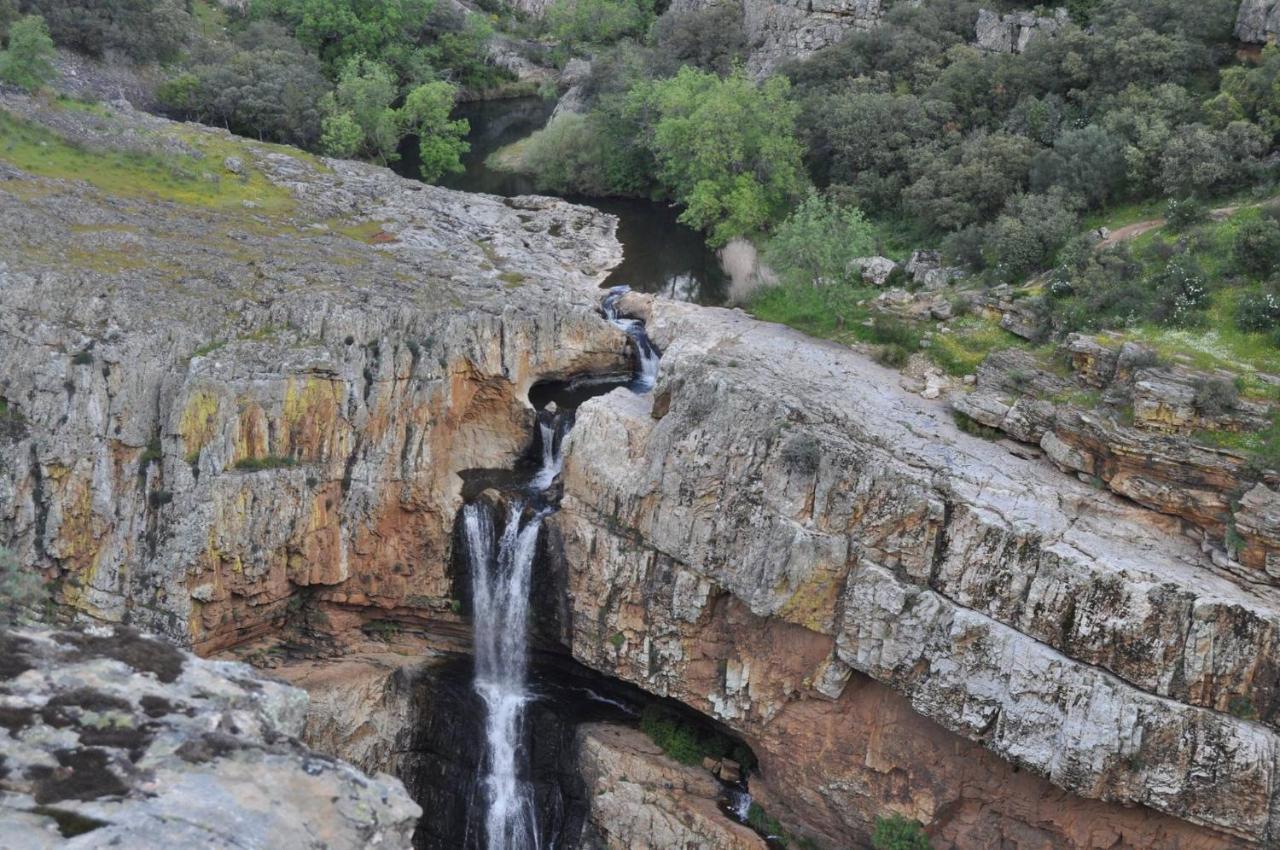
point(782, 524)
point(259, 373)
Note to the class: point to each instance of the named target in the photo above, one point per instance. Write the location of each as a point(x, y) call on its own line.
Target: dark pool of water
point(660, 254)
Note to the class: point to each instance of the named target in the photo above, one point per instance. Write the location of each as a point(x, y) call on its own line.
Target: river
point(660, 255)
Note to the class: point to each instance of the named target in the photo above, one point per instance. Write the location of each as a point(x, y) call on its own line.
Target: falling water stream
point(501, 570)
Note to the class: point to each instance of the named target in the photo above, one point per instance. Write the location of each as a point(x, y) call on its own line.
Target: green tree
point(359, 119)
point(818, 241)
point(575, 22)
point(968, 182)
point(440, 140)
point(341, 30)
point(266, 86)
point(1088, 162)
point(726, 148)
point(27, 62)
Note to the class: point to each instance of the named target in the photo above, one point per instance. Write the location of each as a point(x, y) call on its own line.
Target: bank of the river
point(660, 255)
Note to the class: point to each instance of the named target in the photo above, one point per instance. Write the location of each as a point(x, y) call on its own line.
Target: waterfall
point(551, 428)
point(501, 568)
point(500, 594)
point(647, 354)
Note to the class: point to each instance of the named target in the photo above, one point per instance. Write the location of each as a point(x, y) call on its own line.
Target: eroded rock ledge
point(113, 739)
point(781, 521)
point(210, 411)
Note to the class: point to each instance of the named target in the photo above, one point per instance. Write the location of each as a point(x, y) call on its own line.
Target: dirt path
point(1133, 231)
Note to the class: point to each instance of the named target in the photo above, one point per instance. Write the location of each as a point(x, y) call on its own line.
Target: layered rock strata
point(782, 522)
point(113, 739)
point(213, 407)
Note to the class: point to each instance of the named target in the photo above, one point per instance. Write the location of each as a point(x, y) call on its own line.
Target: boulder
point(873, 270)
point(121, 740)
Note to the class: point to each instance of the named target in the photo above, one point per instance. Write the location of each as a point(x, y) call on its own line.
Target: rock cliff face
point(210, 408)
point(782, 30)
point(782, 523)
point(1258, 21)
point(111, 739)
point(251, 391)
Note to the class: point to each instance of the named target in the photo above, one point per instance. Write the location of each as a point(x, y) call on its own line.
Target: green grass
point(971, 339)
point(180, 178)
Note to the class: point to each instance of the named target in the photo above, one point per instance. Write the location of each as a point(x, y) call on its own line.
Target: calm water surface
point(660, 255)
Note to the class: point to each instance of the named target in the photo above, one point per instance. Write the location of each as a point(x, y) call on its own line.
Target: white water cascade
point(647, 355)
point(500, 598)
point(501, 569)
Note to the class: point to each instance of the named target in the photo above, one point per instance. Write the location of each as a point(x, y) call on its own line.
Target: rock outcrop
point(780, 31)
point(763, 538)
point(266, 383)
point(1134, 426)
point(113, 739)
point(643, 800)
point(1012, 33)
point(1258, 21)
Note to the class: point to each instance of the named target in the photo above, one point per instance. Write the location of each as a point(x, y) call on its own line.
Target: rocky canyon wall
point(209, 411)
point(900, 617)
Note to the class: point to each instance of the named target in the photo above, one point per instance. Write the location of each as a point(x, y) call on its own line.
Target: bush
point(898, 833)
point(1028, 233)
point(818, 241)
point(22, 591)
point(1256, 249)
point(265, 86)
point(711, 38)
point(1183, 214)
point(1259, 311)
point(254, 464)
point(27, 60)
point(803, 453)
point(574, 22)
point(1215, 396)
point(688, 743)
point(143, 30)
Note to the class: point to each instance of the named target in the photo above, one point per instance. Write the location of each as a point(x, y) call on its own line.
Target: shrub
point(27, 61)
point(898, 833)
point(598, 21)
point(803, 453)
point(254, 464)
point(1256, 249)
point(265, 86)
point(1215, 396)
point(688, 743)
point(711, 38)
point(22, 591)
point(818, 241)
point(1182, 214)
point(143, 30)
point(1259, 311)
point(1181, 291)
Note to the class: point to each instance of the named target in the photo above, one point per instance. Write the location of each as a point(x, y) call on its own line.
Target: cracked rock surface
point(114, 739)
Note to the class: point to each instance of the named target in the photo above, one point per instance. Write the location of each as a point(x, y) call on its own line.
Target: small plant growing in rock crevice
point(898, 833)
point(802, 453)
point(1215, 396)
